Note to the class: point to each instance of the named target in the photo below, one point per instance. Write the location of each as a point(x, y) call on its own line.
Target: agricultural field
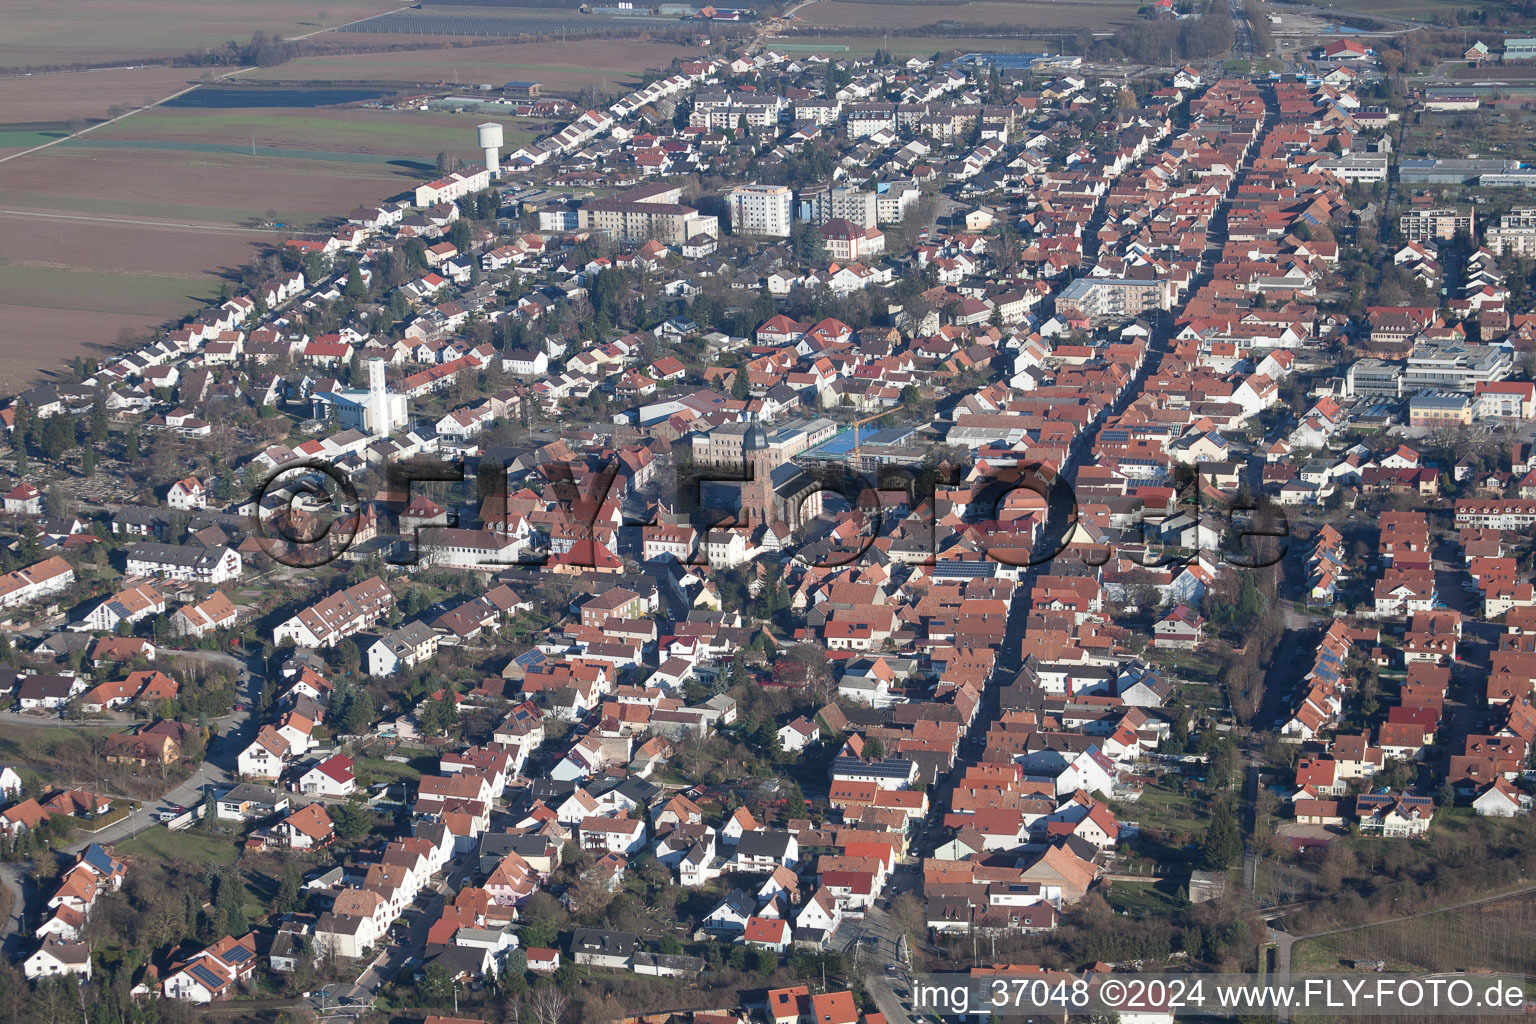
point(138, 221)
point(1513, 74)
point(403, 140)
point(910, 46)
point(110, 234)
point(481, 23)
point(101, 31)
point(1021, 16)
point(561, 67)
point(1500, 936)
point(1442, 12)
point(1504, 134)
point(71, 100)
point(72, 287)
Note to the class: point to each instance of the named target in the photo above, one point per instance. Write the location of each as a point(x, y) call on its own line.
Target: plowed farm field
point(42, 33)
point(561, 67)
point(1056, 15)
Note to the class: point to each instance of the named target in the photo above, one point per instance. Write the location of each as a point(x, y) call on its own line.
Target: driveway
point(15, 942)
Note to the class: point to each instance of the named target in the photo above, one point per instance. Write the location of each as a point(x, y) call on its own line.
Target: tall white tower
point(491, 141)
point(380, 420)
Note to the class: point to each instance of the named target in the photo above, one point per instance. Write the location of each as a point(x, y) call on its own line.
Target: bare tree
point(548, 1004)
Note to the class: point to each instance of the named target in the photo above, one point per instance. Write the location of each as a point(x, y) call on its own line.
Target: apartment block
point(1439, 224)
point(761, 210)
point(1515, 233)
point(822, 203)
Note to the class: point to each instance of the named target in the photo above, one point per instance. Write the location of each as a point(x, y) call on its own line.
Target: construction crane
point(860, 422)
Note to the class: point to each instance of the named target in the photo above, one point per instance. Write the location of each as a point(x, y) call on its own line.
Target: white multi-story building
point(761, 210)
point(452, 187)
point(1515, 234)
point(822, 203)
point(187, 562)
point(892, 200)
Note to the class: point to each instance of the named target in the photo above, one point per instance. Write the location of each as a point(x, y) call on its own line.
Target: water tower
point(491, 142)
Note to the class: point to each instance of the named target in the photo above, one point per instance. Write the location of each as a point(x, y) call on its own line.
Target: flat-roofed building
point(1111, 298)
point(1440, 224)
point(1434, 409)
point(761, 210)
point(1515, 233)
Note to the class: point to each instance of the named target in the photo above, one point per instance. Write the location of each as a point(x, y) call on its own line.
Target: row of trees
point(262, 50)
point(1158, 42)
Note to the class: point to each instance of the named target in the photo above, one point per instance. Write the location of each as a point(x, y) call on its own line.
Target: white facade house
point(405, 647)
point(187, 562)
point(331, 777)
point(54, 958)
point(265, 756)
point(187, 494)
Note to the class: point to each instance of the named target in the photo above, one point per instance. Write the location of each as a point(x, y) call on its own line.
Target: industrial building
point(1450, 172)
point(1520, 49)
point(1358, 167)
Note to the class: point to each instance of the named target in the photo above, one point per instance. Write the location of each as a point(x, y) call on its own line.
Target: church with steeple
point(772, 490)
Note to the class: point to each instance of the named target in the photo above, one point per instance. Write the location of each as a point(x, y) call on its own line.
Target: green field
point(189, 844)
point(1137, 897)
point(25, 137)
point(916, 46)
point(348, 134)
point(377, 769)
point(1436, 11)
point(99, 291)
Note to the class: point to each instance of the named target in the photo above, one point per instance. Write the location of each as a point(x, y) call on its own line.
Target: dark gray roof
point(763, 844)
point(596, 940)
point(191, 556)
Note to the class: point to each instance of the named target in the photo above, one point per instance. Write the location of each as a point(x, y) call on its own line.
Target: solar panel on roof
point(237, 955)
point(968, 570)
point(206, 976)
